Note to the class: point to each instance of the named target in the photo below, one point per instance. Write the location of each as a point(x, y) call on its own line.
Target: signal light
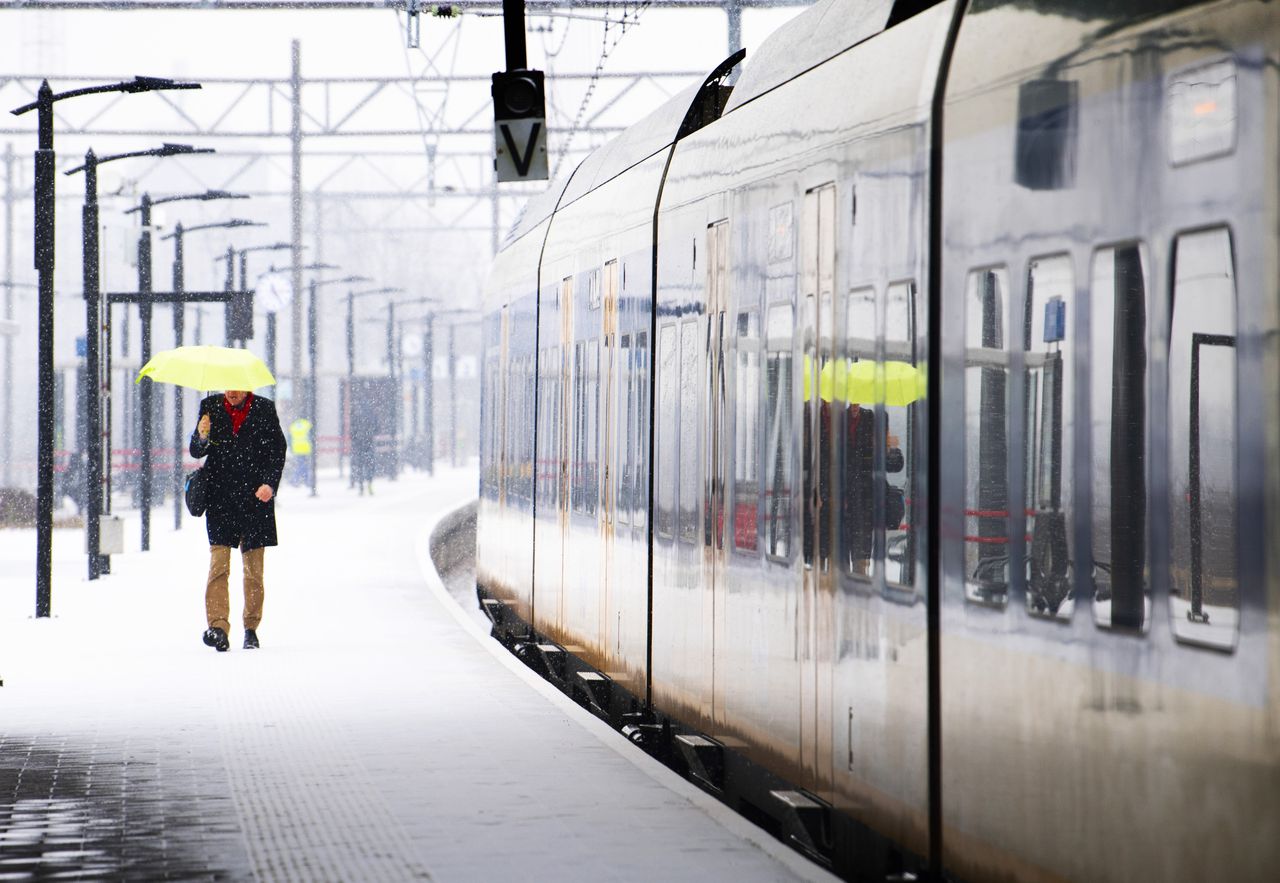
point(518, 95)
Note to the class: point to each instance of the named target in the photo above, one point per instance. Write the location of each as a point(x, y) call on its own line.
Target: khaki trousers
point(217, 603)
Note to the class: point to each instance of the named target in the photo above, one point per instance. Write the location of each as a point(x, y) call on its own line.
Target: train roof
point(822, 32)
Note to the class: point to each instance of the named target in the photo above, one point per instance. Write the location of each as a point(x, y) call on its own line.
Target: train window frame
point(854, 348)
point(1056, 317)
point(668, 416)
point(689, 482)
point(622, 432)
point(909, 442)
point(986, 356)
point(592, 417)
point(779, 349)
point(747, 385)
point(640, 490)
point(1099, 349)
point(1190, 622)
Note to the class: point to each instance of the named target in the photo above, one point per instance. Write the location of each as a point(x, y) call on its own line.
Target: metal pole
point(391, 377)
point(312, 394)
point(6, 427)
point(295, 363)
point(733, 12)
point(351, 373)
point(244, 285)
point(399, 394)
point(513, 30)
point(45, 201)
point(453, 396)
point(229, 284)
point(93, 383)
point(144, 313)
point(428, 394)
point(271, 342)
point(179, 311)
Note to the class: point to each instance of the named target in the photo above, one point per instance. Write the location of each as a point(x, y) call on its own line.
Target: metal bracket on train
point(493, 608)
point(547, 660)
point(806, 821)
point(598, 691)
point(705, 758)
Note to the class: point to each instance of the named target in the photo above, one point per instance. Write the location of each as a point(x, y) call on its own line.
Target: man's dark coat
point(238, 465)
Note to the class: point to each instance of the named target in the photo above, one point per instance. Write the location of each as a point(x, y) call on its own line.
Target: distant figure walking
point(300, 449)
point(362, 451)
point(240, 434)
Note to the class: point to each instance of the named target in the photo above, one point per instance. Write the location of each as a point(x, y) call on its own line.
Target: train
point(885, 432)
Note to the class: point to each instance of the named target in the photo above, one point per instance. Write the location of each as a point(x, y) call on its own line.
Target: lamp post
point(144, 314)
point(45, 197)
point(352, 297)
point(395, 372)
point(98, 564)
point(313, 394)
point(179, 320)
point(243, 255)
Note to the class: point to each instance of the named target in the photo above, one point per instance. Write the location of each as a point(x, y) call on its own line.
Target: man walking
point(241, 436)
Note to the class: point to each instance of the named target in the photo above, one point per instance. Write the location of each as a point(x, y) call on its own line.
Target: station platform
point(378, 734)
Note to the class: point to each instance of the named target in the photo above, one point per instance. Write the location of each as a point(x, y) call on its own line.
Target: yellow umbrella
point(894, 383)
point(207, 368)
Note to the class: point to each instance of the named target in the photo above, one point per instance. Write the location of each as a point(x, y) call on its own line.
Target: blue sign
point(82, 347)
point(1055, 320)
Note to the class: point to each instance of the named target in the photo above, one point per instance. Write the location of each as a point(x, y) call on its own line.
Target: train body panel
point(1077, 662)
point(1108, 622)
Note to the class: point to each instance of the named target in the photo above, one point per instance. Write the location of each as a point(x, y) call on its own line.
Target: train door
point(717, 421)
point(608, 446)
point(818, 238)
point(569, 356)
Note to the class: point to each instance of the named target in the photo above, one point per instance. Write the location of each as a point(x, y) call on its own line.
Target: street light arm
point(137, 84)
point(235, 222)
point(166, 150)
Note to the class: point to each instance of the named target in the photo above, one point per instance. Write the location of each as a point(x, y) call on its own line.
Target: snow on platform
point(379, 734)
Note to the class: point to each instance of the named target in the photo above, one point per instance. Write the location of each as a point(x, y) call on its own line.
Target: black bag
point(197, 493)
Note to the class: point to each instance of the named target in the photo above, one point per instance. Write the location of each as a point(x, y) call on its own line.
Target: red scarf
point(238, 415)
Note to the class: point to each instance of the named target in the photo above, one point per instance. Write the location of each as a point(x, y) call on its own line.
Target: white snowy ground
point(379, 734)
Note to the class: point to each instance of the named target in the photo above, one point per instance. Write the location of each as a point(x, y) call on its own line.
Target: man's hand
point(203, 426)
point(264, 493)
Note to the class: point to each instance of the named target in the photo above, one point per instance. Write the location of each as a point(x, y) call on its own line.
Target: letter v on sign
point(521, 149)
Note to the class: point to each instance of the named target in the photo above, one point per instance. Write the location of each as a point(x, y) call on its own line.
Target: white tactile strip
point(306, 807)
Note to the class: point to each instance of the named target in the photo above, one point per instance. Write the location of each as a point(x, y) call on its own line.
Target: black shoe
point(217, 639)
point(250, 639)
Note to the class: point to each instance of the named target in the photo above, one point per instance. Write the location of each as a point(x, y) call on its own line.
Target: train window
point(666, 443)
point(779, 431)
point(591, 444)
point(640, 429)
point(625, 433)
point(986, 491)
point(579, 429)
point(1203, 493)
point(547, 443)
point(1049, 344)
point(1119, 432)
point(746, 435)
point(858, 397)
point(690, 349)
point(901, 390)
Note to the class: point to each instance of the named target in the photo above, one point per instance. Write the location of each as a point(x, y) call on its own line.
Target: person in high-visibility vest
point(300, 447)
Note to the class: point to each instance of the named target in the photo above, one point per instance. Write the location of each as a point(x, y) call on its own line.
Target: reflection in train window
point(857, 397)
point(746, 434)
point(690, 349)
point(1118, 310)
point(901, 391)
point(640, 429)
point(1049, 343)
point(626, 431)
point(577, 460)
point(986, 407)
point(548, 441)
point(591, 473)
point(778, 466)
point(668, 405)
point(1203, 495)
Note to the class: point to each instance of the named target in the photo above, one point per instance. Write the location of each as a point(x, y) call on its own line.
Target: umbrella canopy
point(894, 383)
point(208, 368)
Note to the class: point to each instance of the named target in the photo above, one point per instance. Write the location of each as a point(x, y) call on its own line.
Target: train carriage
point(1024, 253)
